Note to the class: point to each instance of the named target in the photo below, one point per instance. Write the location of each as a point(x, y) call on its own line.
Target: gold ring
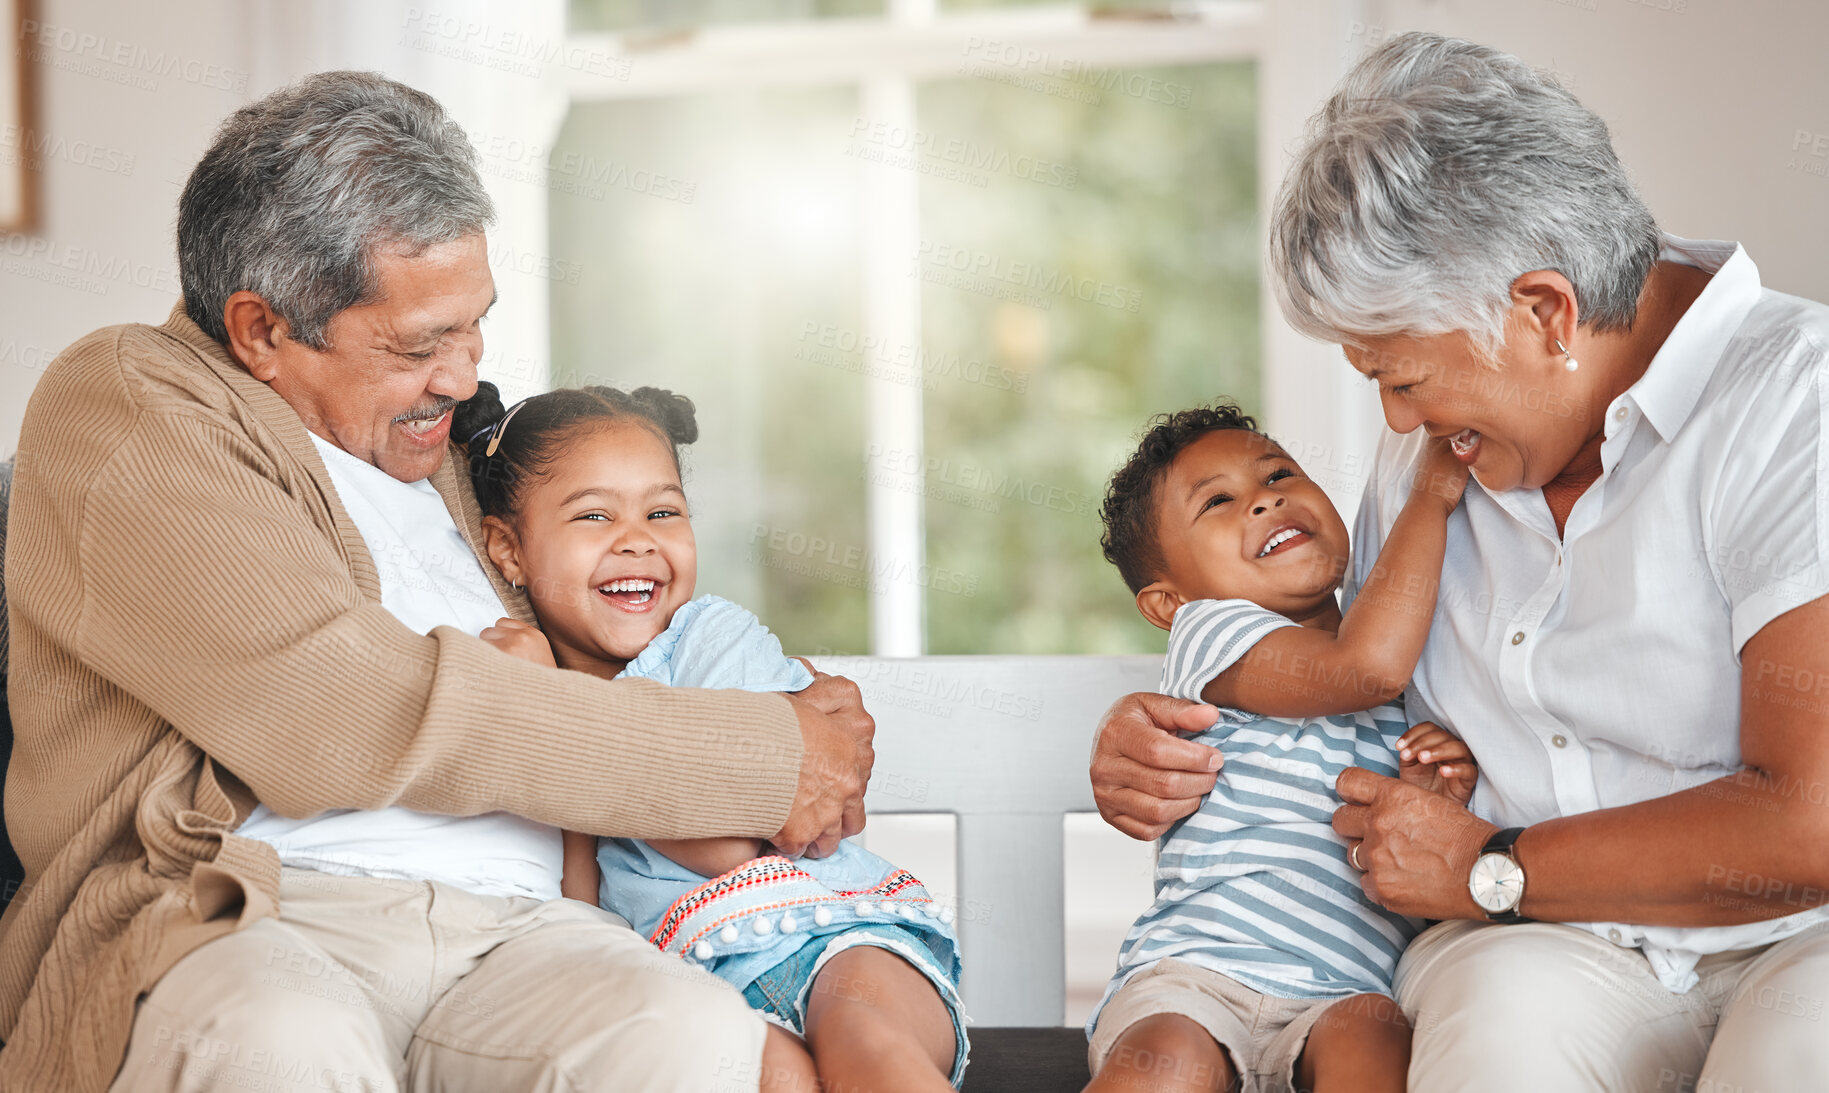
point(1353, 856)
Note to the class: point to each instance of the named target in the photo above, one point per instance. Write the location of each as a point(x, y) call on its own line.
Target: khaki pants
point(365, 984)
point(1539, 1007)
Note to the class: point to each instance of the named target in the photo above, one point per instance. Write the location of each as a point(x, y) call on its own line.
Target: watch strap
point(1501, 843)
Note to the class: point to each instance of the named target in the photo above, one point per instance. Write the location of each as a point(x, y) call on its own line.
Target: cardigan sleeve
point(210, 594)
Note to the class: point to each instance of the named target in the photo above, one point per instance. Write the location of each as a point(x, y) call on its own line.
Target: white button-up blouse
point(1602, 667)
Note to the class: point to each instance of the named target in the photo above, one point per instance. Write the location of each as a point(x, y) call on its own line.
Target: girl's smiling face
point(602, 541)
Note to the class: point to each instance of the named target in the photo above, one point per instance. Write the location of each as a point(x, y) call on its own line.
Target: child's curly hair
point(530, 442)
point(1130, 541)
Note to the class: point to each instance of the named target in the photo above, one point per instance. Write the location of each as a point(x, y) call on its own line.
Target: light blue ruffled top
point(745, 922)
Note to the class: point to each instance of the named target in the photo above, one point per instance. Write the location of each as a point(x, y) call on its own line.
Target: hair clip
point(501, 427)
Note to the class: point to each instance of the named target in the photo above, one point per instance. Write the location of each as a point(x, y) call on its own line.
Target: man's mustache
point(428, 412)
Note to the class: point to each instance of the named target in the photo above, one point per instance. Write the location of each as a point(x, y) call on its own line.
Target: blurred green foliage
point(739, 289)
point(1161, 212)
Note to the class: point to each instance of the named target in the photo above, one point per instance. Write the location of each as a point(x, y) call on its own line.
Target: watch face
point(1497, 883)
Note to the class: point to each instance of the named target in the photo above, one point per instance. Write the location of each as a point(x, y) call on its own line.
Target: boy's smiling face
point(1237, 519)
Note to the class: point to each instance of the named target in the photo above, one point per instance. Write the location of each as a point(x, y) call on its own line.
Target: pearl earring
point(1568, 362)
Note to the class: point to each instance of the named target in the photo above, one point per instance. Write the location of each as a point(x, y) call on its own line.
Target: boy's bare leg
point(786, 1065)
point(875, 1023)
point(1360, 1045)
point(1165, 1053)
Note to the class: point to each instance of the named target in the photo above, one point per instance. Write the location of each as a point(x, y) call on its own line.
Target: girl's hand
point(517, 639)
point(1432, 758)
point(1440, 475)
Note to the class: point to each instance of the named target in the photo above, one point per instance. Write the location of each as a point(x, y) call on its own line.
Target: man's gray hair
point(300, 189)
point(1439, 172)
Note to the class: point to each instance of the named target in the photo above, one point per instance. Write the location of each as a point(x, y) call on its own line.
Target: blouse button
point(1559, 740)
point(1613, 936)
point(1517, 637)
point(1619, 414)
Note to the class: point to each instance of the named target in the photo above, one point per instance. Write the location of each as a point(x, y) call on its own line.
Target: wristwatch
point(1497, 878)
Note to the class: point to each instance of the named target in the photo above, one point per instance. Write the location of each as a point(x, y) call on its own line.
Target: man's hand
point(1417, 848)
point(1144, 777)
point(517, 639)
point(836, 735)
point(1432, 758)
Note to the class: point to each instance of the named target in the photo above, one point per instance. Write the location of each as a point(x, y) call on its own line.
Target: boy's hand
point(1432, 758)
point(1440, 475)
point(517, 639)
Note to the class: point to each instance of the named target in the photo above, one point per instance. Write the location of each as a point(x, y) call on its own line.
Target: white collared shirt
point(1602, 667)
point(429, 577)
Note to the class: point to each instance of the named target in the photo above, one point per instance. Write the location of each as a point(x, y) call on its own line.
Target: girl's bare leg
point(1360, 1045)
point(1165, 1053)
point(786, 1065)
point(875, 1023)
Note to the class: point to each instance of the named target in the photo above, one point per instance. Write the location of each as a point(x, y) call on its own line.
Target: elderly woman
point(1632, 633)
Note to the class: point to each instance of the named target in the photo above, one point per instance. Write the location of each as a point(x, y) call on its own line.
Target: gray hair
point(300, 189)
point(1439, 172)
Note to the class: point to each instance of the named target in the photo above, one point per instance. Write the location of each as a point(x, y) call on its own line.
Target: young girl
point(583, 506)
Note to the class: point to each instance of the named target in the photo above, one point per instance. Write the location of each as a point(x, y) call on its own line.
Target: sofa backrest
point(1002, 743)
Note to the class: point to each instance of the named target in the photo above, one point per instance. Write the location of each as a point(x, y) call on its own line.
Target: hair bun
point(675, 413)
point(475, 414)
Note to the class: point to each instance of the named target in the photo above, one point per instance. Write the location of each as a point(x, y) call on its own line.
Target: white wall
point(1707, 100)
point(1719, 108)
point(130, 94)
point(121, 140)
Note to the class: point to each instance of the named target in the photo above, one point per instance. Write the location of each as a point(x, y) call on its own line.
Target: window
point(925, 272)
point(924, 297)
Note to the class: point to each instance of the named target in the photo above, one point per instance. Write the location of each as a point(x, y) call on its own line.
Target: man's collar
point(1667, 393)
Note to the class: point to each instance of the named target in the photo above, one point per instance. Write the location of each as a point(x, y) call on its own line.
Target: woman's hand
point(1144, 777)
point(1435, 759)
point(1417, 848)
point(517, 639)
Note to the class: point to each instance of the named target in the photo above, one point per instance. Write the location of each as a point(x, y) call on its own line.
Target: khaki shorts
point(1263, 1034)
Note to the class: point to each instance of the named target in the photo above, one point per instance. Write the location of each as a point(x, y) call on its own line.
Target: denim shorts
point(780, 993)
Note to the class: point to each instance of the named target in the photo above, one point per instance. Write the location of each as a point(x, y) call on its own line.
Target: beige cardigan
point(197, 626)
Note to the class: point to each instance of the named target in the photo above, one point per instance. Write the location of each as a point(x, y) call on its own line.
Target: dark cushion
point(1027, 1060)
point(6, 495)
point(12, 874)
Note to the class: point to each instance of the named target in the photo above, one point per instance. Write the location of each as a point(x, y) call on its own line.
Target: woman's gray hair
point(300, 189)
point(1438, 172)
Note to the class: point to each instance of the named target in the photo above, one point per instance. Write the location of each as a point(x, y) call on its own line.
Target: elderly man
point(287, 821)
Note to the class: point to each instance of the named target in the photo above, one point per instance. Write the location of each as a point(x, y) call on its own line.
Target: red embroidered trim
point(757, 873)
